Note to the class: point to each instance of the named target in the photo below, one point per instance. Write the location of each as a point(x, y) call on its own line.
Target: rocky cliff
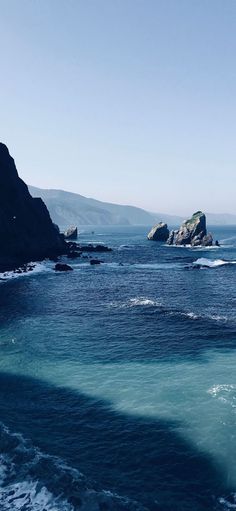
point(26, 229)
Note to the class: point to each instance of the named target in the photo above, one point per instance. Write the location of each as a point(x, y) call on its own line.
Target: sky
point(127, 101)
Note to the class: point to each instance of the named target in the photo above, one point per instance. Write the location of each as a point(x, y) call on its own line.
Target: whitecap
point(125, 247)
point(223, 501)
point(21, 272)
point(140, 301)
point(22, 486)
point(209, 263)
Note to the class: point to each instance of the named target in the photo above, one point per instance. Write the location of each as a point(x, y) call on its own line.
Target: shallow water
point(124, 372)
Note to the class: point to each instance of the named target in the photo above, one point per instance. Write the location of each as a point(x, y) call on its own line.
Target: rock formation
point(71, 233)
point(62, 267)
point(159, 232)
point(192, 232)
point(26, 230)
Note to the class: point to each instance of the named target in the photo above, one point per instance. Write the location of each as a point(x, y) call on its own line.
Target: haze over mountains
point(68, 208)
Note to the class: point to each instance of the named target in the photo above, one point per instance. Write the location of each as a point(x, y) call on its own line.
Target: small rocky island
point(159, 232)
point(71, 233)
point(192, 232)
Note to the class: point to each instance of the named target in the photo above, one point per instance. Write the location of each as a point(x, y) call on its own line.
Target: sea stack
point(26, 229)
point(192, 232)
point(159, 232)
point(71, 233)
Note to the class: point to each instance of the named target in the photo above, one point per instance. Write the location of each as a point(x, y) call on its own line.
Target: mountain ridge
point(68, 208)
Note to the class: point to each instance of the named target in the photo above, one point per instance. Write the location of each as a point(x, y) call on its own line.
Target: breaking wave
point(136, 302)
point(33, 481)
point(26, 270)
point(209, 263)
point(144, 301)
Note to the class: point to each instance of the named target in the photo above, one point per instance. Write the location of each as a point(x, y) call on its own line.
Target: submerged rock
point(26, 229)
point(62, 267)
point(159, 232)
point(95, 261)
point(71, 233)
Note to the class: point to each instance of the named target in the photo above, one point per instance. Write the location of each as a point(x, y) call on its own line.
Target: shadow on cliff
point(146, 460)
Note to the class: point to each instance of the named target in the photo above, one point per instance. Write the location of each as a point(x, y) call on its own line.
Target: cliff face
point(26, 230)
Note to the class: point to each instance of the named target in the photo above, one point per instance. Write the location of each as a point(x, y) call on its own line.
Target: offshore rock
point(71, 233)
point(192, 232)
point(95, 261)
point(207, 241)
point(62, 267)
point(159, 232)
point(171, 238)
point(26, 229)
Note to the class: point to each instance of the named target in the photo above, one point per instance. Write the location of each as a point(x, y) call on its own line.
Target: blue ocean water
point(118, 382)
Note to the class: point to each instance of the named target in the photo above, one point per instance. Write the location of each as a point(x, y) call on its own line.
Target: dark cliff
point(26, 229)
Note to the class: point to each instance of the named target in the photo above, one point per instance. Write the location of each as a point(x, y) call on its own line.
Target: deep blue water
point(124, 372)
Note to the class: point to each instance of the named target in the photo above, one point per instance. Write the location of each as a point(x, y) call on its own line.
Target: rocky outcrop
point(95, 262)
point(94, 248)
point(192, 232)
point(159, 232)
point(62, 267)
point(26, 230)
point(71, 233)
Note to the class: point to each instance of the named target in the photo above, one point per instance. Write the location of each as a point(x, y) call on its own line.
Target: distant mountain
point(67, 208)
point(221, 219)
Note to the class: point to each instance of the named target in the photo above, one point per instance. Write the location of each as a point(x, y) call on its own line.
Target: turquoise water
point(125, 373)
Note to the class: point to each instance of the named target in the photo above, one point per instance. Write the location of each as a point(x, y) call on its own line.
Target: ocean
point(118, 381)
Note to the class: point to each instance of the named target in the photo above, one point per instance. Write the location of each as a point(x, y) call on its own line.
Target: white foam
point(226, 504)
point(140, 301)
point(37, 268)
point(28, 495)
point(19, 490)
point(202, 261)
point(214, 317)
point(191, 315)
point(125, 247)
point(215, 390)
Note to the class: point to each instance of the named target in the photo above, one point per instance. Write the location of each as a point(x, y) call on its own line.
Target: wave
point(25, 271)
point(221, 391)
point(144, 301)
point(209, 263)
point(228, 502)
point(125, 247)
point(33, 481)
point(199, 247)
point(135, 302)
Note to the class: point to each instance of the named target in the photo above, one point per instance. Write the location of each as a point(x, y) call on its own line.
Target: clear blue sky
point(129, 101)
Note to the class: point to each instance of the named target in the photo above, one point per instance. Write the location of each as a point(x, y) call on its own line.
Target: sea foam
point(209, 263)
point(25, 487)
